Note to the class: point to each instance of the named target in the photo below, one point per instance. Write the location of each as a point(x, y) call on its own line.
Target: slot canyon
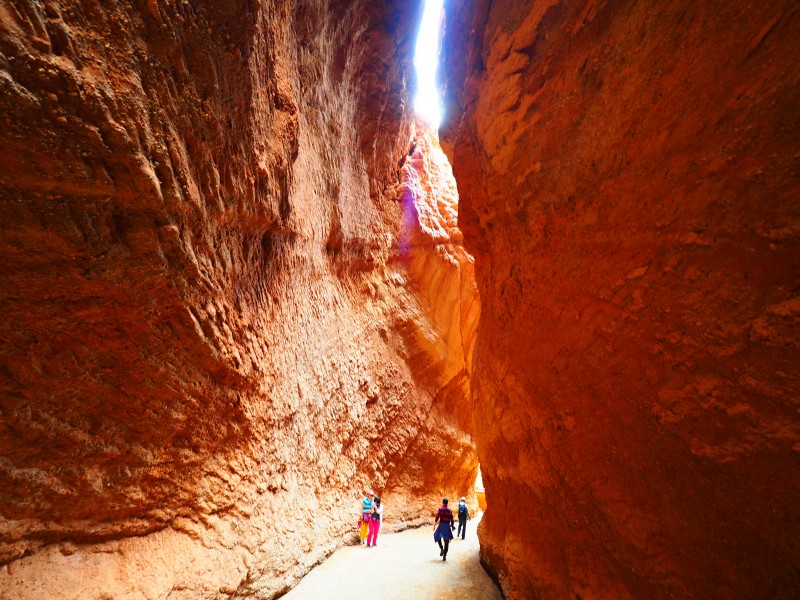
point(240, 285)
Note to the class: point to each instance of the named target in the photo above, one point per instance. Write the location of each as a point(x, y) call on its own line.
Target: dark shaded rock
point(628, 182)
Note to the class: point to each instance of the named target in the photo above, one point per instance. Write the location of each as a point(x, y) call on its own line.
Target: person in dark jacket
point(443, 528)
point(463, 515)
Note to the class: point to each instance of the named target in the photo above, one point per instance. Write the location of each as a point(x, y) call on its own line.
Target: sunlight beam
point(426, 60)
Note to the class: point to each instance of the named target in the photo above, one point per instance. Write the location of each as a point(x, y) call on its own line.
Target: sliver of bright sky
point(426, 58)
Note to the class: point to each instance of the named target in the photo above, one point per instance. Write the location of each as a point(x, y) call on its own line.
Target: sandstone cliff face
point(628, 181)
point(219, 282)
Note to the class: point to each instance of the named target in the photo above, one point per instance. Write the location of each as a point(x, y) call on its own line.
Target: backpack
point(376, 517)
point(462, 510)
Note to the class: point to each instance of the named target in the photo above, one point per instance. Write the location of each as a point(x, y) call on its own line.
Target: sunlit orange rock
point(441, 275)
point(628, 182)
point(219, 318)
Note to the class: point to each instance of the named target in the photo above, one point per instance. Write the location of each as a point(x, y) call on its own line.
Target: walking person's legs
point(446, 547)
point(372, 536)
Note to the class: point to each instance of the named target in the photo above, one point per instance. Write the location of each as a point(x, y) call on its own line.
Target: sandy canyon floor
point(404, 566)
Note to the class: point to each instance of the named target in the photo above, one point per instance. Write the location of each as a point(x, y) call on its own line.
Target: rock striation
point(233, 293)
point(628, 183)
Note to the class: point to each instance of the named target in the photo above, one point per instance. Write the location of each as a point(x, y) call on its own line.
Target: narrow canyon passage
point(240, 286)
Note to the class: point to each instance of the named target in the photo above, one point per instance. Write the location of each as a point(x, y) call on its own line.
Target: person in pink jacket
point(376, 518)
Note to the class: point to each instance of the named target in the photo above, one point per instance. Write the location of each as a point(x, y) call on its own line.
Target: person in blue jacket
point(363, 522)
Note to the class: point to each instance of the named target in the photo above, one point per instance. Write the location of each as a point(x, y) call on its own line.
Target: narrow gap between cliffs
point(406, 564)
point(429, 109)
point(428, 106)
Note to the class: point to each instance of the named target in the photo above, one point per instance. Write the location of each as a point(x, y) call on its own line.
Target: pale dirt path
point(403, 566)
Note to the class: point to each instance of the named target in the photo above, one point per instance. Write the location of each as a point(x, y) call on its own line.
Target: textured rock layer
point(628, 174)
point(220, 282)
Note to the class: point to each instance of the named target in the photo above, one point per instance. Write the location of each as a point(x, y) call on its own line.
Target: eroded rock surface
point(628, 182)
point(219, 280)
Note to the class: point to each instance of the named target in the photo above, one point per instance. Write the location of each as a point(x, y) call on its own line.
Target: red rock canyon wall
point(231, 298)
point(628, 173)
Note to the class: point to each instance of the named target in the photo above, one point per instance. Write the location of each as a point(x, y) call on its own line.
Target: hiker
point(363, 522)
point(376, 520)
point(444, 529)
point(463, 515)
